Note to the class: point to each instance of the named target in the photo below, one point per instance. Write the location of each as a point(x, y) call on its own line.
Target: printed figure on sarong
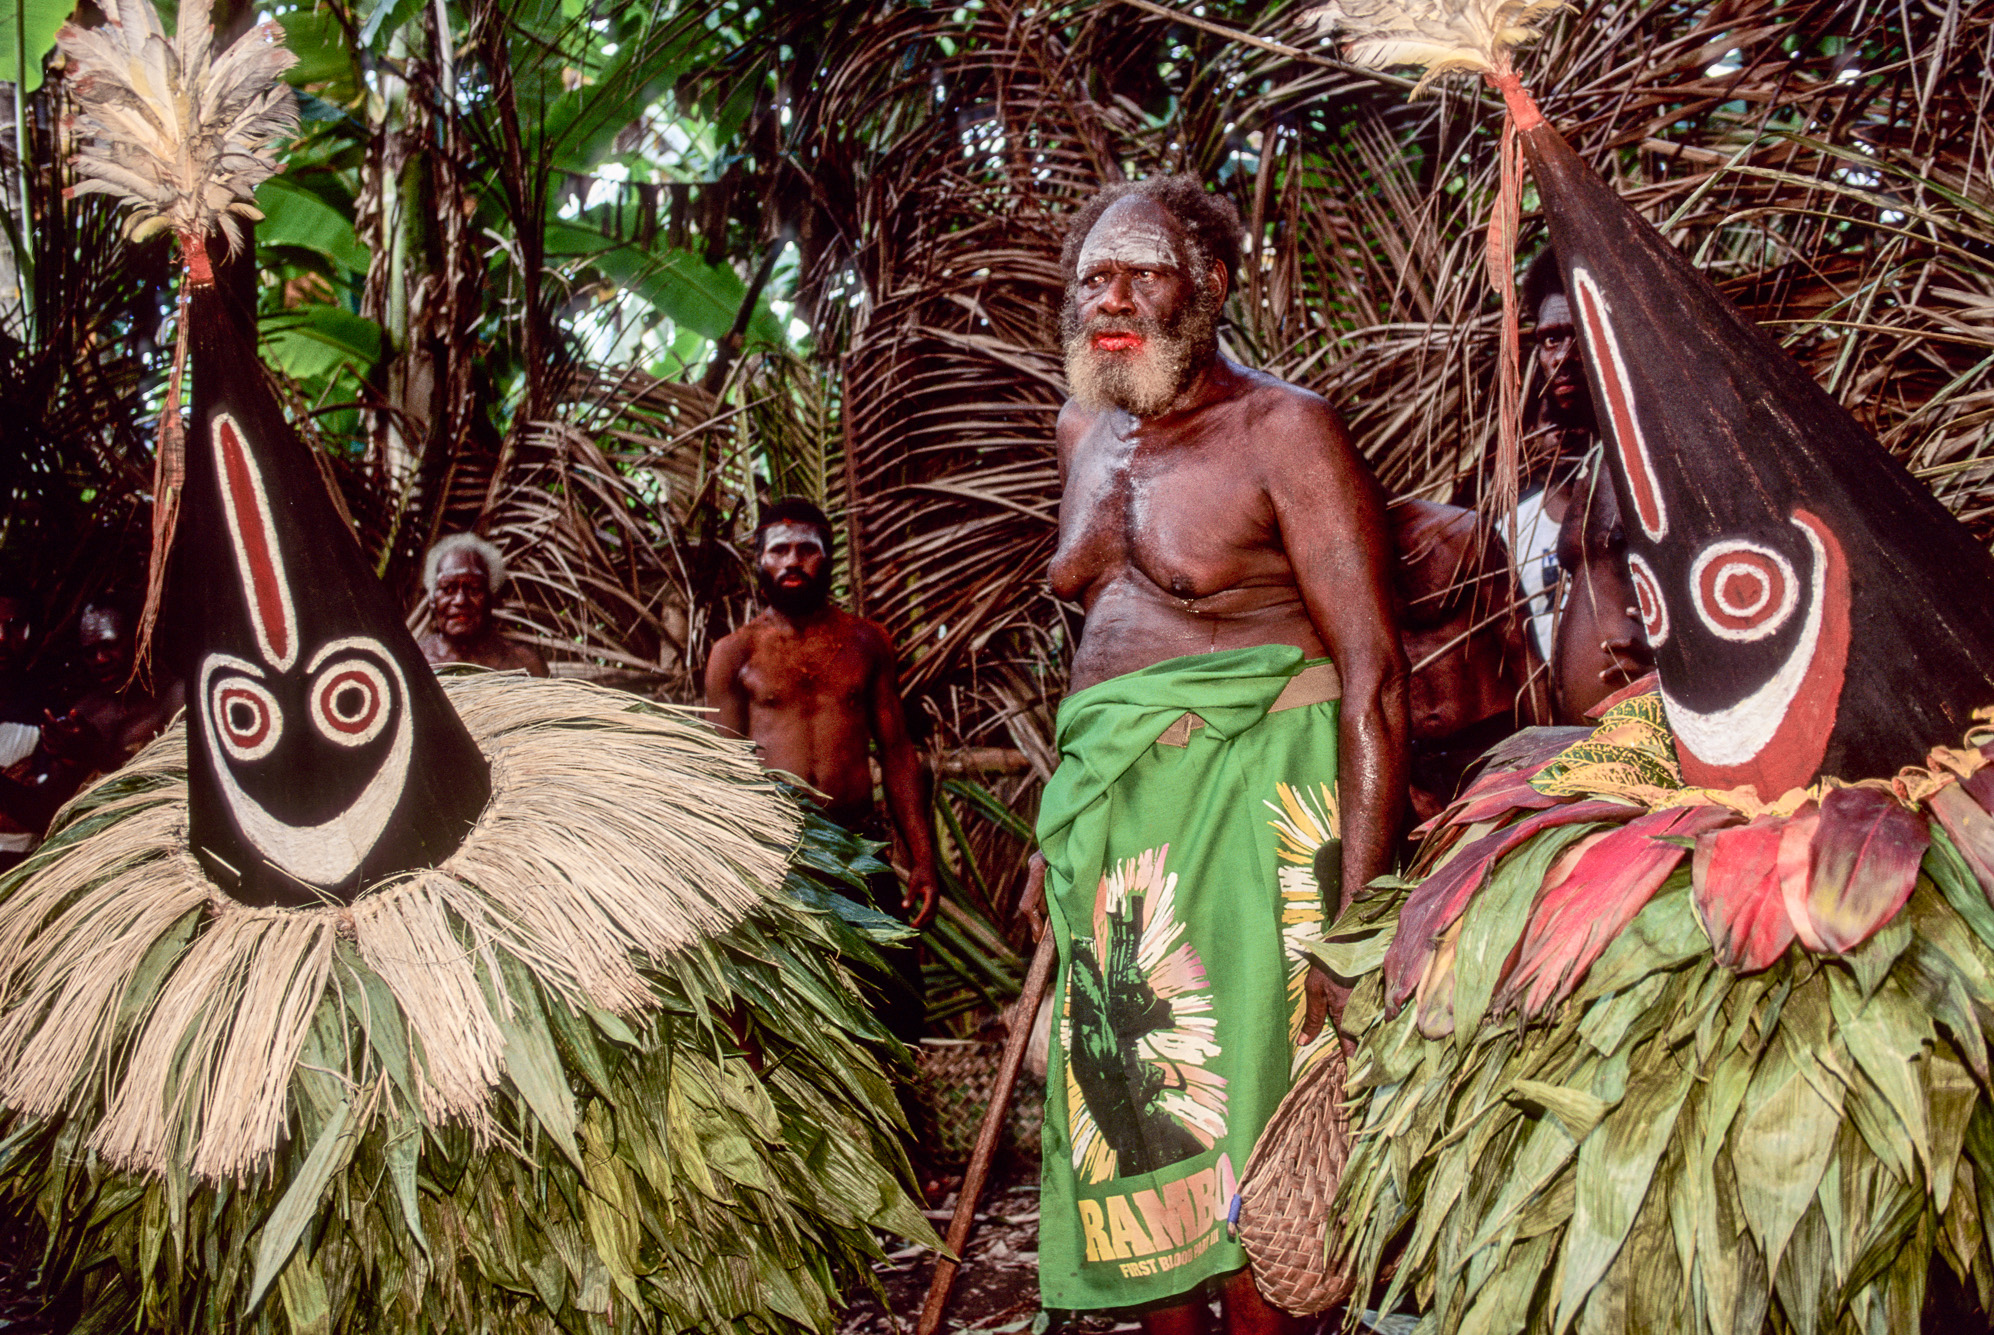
point(1139, 1031)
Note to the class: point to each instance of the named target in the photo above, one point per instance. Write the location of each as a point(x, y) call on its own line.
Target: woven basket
point(1288, 1186)
point(953, 1081)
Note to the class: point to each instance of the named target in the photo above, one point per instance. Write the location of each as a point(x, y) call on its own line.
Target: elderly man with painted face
point(465, 575)
point(815, 687)
point(1238, 704)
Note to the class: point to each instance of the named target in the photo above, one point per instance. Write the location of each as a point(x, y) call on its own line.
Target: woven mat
point(953, 1080)
point(1288, 1186)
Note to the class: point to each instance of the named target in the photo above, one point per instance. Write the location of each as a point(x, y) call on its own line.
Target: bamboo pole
point(1036, 981)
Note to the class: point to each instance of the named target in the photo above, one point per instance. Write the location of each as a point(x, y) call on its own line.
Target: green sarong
point(1179, 835)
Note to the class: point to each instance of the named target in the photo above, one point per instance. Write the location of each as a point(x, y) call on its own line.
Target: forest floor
point(997, 1289)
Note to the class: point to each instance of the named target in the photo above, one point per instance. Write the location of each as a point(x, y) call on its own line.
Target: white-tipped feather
point(180, 135)
point(1440, 35)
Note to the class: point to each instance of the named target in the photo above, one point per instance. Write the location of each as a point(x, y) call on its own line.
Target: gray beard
point(1143, 383)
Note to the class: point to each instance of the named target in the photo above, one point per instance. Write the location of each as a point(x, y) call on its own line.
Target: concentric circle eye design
point(247, 718)
point(1648, 604)
point(1743, 591)
point(350, 701)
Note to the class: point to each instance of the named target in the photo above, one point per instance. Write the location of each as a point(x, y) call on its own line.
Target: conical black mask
point(1813, 609)
point(322, 754)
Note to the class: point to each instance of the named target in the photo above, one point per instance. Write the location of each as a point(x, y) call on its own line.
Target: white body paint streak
point(1734, 734)
point(327, 853)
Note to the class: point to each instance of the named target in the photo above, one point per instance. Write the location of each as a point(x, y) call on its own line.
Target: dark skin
point(115, 715)
point(1241, 515)
point(1601, 646)
point(460, 606)
point(1567, 398)
point(814, 690)
point(1466, 638)
point(1565, 402)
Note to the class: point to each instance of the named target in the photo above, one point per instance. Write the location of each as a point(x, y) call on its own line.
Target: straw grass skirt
point(602, 1068)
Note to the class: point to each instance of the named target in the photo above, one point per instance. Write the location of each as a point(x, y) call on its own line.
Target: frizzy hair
point(1210, 221)
point(1541, 278)
point(795, 510)
point(495, 571)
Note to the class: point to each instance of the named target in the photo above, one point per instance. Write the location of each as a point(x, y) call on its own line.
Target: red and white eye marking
point(350, 702)
point(247, 718)
point(1648, 604)
point(1743, 591)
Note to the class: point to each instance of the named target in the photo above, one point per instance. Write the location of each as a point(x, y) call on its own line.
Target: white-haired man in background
point(464, 575)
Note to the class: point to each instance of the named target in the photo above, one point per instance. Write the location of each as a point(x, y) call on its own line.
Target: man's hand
point(919, 902)
point(69, 738)
point(1032, 903)
point(1325, 1002)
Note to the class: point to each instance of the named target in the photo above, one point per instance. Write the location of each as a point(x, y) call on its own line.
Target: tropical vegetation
point(599, 280)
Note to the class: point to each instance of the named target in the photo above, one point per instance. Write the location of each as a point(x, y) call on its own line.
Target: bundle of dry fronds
point(182, 136)
point(561, 1009)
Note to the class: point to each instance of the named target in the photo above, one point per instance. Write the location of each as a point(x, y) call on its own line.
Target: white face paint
point(1136, 245)
point(796, 535)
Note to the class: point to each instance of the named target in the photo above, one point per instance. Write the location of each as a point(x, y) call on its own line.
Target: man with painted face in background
point(1563, 432)
point(815, 688)
point(464, 575)
point(1237, 706)
point(115, 715)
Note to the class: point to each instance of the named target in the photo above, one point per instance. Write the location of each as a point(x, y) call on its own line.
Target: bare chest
point(1185, 510)
point(805, 673)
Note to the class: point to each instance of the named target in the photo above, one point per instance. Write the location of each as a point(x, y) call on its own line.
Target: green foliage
point(41, 19)
point(720, 1164)
point(1678, 1148)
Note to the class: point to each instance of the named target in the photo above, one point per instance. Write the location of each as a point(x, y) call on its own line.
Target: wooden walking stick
point(1037, 978)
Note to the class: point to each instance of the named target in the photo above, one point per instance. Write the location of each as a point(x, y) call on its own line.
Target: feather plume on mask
point(1446, 35)
point(179, 134)
point(1441, 35)
point(183, 138)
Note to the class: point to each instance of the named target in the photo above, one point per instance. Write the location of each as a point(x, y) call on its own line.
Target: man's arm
point(725, 695)
point(1333, 526)
point(905, 783)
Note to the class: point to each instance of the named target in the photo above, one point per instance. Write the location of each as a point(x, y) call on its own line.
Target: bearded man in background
point(1231, 552)
point(816, 688)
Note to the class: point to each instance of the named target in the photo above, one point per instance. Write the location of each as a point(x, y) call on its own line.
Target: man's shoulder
point(1430, 523)
point(1272, 401)
point(738, 643)
point(864, 631)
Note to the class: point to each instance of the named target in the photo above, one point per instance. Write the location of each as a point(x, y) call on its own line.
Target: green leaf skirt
point(605, 1069)
point(1578, 1108)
